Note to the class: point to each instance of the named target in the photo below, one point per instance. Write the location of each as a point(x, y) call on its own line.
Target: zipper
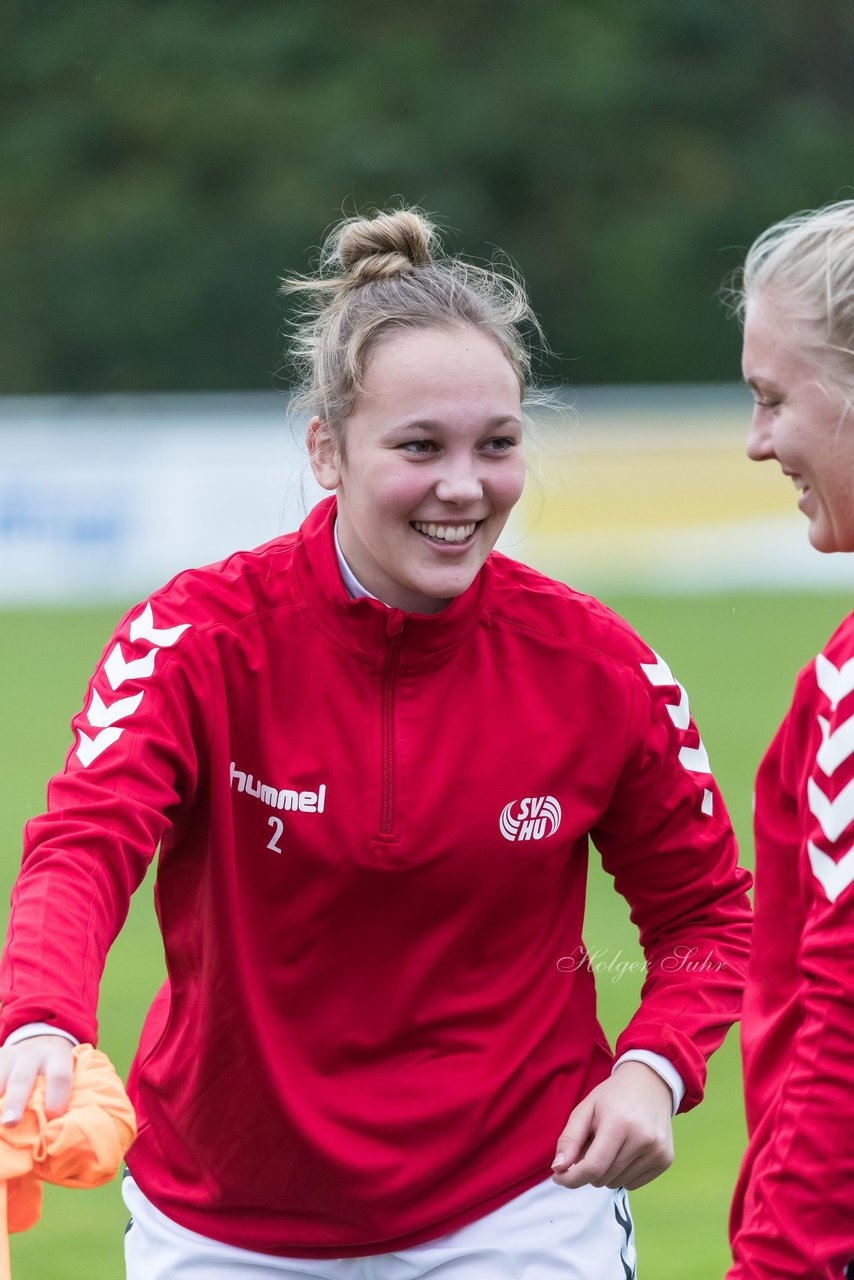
point(394, 632)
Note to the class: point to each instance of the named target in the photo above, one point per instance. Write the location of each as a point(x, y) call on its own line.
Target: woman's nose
point(459, 484)
point(759, 444)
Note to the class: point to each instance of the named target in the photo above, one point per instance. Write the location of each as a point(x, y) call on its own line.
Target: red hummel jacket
point(793, 1213)
point(373, 832)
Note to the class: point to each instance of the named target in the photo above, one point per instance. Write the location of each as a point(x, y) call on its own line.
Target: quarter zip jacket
point(370, 886)
point(792, 1214)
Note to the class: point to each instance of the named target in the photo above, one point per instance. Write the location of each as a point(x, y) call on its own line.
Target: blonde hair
point(381, 275)
point(807, 262)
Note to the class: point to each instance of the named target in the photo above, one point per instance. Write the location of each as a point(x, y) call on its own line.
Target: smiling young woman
point(435, 463)
point(801, 418)
point(792, 1212)
point(369, 1059)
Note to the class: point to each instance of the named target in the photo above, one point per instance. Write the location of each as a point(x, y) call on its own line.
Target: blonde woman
point(793, 1213)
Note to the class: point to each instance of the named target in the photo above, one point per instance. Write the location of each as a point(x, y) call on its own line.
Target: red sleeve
point(668, 842)
point(795, 1210)
point(130, 769)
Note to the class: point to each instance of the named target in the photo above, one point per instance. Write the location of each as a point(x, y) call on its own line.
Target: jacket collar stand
point(364, 625)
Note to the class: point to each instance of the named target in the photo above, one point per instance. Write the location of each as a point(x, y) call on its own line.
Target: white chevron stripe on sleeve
point(695, 759)
point(833, 815)
point(658, 673)
point(88, 749)
point(680, 713)
point(834, 682)
point(143, 628)
point(100, 715)
point(834, 877)
point(835, 747)
point(117, 670)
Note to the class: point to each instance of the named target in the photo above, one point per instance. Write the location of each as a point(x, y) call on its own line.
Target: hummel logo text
point(532, 818)
point(279, 798)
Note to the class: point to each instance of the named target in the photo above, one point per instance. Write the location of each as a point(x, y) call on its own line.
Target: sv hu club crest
point(532, 818)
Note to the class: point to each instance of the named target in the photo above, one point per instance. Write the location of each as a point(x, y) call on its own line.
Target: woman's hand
point(50, 1056)
point(620, 1135)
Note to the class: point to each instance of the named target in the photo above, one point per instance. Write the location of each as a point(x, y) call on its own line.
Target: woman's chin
point(827, 541)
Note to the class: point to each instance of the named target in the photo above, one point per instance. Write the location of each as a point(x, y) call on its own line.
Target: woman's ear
point(323, 454)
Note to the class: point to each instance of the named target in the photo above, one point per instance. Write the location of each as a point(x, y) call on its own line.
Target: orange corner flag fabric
point(82, 1148)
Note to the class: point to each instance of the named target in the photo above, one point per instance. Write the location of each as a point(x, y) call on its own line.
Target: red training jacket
point(373, 832)
point(793, 1213)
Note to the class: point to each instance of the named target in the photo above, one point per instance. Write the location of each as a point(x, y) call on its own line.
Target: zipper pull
point(394, 622)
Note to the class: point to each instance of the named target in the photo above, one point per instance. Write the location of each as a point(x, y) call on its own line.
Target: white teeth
point(445, 532)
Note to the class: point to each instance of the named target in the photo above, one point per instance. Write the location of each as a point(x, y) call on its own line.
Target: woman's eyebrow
point(432, 424)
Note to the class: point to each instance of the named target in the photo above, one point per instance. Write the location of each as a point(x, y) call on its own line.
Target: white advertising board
point(645, 488)
point(108, 497)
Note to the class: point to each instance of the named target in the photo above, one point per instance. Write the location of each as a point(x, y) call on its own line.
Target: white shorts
point(547, 1233)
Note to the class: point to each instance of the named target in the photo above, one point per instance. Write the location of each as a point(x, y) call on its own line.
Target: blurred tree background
point(162, 162)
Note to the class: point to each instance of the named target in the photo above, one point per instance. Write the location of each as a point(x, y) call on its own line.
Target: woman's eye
point(765, 401)
point(418, 446)
point(500, 444)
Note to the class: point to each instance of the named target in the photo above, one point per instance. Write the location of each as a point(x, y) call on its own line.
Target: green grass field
point(737, 655)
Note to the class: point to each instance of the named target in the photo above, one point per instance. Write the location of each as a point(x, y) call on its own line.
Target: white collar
point(352, 585)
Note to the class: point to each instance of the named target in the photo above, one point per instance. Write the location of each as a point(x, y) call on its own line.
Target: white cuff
point(661, 1066)
point(37, 1029)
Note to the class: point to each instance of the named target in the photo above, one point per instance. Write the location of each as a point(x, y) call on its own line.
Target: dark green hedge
point(163, 161)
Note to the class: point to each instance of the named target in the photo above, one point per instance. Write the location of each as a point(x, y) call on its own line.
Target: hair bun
point(388, 245)
point(379, 274)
